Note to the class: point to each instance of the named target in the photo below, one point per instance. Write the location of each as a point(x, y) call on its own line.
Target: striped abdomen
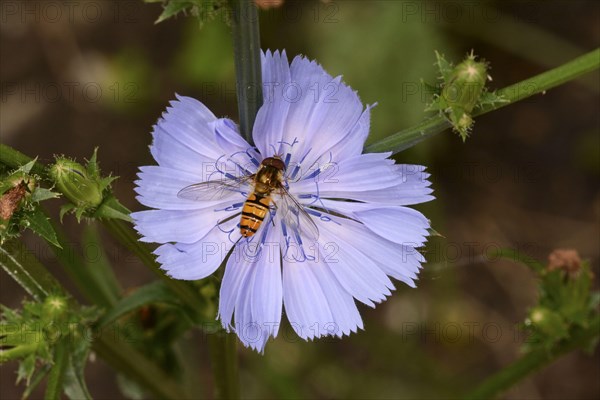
point(255, 209)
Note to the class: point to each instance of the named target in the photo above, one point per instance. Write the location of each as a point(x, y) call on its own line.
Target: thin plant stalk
point(223, 355)
point(246, 47)
point(248, 70)
point(533, 361)
point(513, 93)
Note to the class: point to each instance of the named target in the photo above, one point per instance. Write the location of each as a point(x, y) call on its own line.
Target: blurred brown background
point(80, 74)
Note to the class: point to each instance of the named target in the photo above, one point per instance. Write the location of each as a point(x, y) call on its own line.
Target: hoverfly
point(269, 179)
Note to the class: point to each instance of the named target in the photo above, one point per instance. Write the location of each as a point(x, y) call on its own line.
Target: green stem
point(57, 372)
point(533, 361)
point(248, 70)
point(223, 355)
point(21, 265)
point(246, 47)
point(517, 256)
point(14, 159)
point(513, 93)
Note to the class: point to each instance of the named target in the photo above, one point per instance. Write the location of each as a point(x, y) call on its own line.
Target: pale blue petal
point(158, 188)
point(306, 304)
point(174, 154)
point(203, 144)
point(191, 122)
point(362, 173)
point(346, 318)
point(400, 225)
point(200, 259)
point(228, 136)
point(352, 145)
point(401, 262)
point(238, 269)
point(309, 90)
point(357, 273)
point(324, 116)
point(238, 150)
point(267, 291)
point(369, 177)
point(270, 120)
point(235, 273)
point(259, 301)
point(185, 226)
point(247, 330)
point(187, 122)
point(191, 111)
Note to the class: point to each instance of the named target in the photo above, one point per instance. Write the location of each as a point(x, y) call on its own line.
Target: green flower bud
point(72, 180)
point(54, 307)
point(548, 322)
point(465, 84)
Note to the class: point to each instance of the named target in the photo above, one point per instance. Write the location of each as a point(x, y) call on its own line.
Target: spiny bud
point(72, 180)
point(465, 84)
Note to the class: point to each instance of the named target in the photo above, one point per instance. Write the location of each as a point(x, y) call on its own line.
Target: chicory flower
point(336, 226)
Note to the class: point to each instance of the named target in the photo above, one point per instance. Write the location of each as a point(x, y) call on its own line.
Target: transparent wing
point(296, 218)
point(215, 189)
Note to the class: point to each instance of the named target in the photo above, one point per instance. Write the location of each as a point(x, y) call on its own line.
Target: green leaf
point(41, 194)
point(491, 99)
point(13, 334)
point(26, 368)
point(25, 352)
point(74, 380)
point(37, 221)
point(105, 182)
point(99, 267)
point(444, 66)
point(37, 377)
point(27, 167)
point(155, 292)
point(173, 8)
point(111, 208)
point(64, 209)
point(92, 167)
point(204, 10)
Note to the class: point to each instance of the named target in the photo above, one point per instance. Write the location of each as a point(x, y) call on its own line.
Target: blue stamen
point(288, 157)
point(252, 158)
point(314, 174)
